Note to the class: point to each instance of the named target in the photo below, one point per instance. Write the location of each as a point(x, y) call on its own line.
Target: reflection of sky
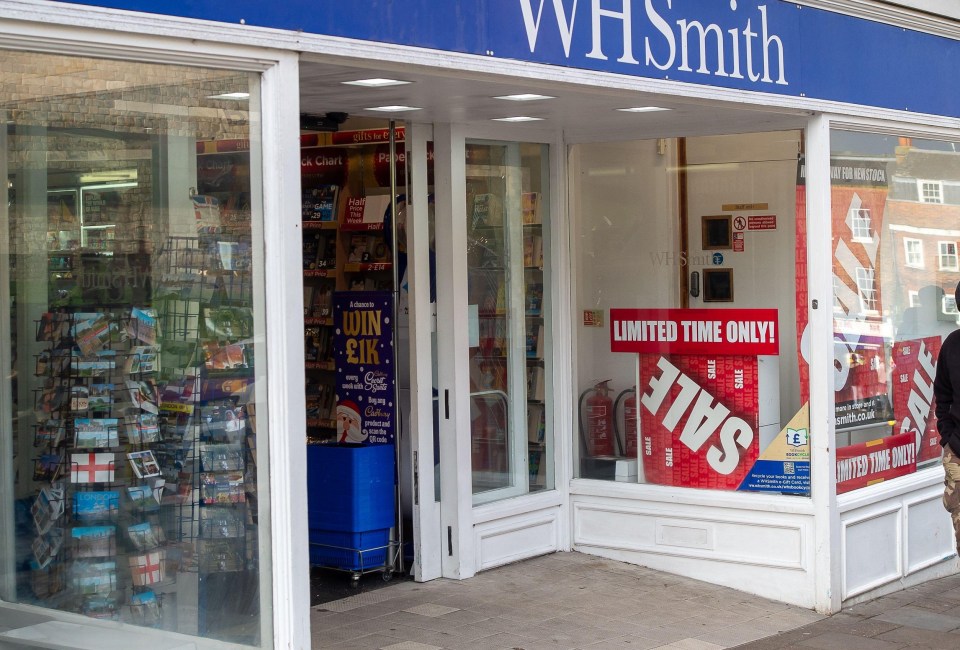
point(872, 144)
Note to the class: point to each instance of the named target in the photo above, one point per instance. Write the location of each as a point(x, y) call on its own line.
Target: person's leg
point(951, 490)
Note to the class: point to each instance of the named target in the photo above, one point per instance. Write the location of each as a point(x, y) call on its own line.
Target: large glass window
point(690, 305)
point(886, 343)
point(508, 284)
point(131, 481)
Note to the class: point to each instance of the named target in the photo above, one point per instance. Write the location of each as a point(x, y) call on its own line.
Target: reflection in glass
point(130, 472)
point(893, 285)
point(506, 231)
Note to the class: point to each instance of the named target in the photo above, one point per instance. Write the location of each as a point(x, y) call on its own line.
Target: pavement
point(572, 601)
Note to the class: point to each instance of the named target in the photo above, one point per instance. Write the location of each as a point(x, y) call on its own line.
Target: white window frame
point(860, 224)
point(917, 262)
point(929, 191)
point(944, 258)
point(868, 294)
point(284, 584)
point(913, 298)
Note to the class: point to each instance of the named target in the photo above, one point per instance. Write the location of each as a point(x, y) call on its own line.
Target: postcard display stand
point(145, 462)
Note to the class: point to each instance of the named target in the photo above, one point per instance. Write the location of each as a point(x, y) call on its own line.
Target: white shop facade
point(670, 281)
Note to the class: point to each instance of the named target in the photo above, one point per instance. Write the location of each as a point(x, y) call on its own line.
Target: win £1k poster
point(364, 356)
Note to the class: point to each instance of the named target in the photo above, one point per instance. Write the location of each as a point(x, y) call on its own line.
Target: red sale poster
point(875, 461)
point(698, 419)
point(914, 368)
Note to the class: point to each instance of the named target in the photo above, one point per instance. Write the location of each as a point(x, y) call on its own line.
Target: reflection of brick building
point(858, 196)
point(922, 266)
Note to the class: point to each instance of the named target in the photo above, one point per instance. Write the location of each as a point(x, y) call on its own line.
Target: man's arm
point(943, 392)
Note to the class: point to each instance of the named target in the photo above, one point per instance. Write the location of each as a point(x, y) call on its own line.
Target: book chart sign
point(364, 357)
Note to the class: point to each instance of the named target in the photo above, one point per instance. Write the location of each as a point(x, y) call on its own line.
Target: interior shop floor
point(559, 601)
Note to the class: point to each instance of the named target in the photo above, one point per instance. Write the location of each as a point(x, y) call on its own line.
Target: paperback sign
point(695, 331)
point(363, 352)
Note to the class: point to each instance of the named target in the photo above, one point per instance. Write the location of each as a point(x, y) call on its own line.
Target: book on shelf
point(532, 250)
point(535, 383)
point(530, 206)
point(322, 301)
point(533, 298)
point(320, 203)
point(537, 467)
point(536, 423)
point(534, 342)
point(487, 210)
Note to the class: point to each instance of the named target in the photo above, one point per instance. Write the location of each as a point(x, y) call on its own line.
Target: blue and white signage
point(768, 46)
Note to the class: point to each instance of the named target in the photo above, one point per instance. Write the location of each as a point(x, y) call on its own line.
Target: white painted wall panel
point(929, 533)
point(871, 548)
point(516, 538)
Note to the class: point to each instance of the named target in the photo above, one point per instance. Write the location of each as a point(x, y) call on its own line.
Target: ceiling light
point(642, 109)
point(393, 109)
point(524, 97)
point(518, 118)
point(230, 96)
point(375, 82)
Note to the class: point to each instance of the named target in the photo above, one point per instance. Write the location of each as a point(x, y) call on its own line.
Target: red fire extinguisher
point(629, 398)
point(599, 438)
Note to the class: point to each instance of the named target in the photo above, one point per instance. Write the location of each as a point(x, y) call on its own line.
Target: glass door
point(505, 200)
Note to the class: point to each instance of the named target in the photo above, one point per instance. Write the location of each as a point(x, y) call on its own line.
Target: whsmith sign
point(758, 45)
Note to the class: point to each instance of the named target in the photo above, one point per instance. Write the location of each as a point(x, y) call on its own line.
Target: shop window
point(860, 224)
point(947, 256)
point(661, 335)
point(136, 346)
point(930, 191)
point(888, 339)
point(913, 250)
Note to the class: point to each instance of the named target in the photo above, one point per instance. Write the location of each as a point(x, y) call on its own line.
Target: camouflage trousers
point(951, 490)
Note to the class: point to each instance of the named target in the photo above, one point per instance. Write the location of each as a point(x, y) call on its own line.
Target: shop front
point(663, 282)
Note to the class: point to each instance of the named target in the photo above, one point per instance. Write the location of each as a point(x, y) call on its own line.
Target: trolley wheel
point(355, 580)
point(387, 575)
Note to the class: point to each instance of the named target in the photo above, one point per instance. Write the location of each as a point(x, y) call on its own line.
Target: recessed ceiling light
point(376, 82)
point(393, 109)
point(230, 96)
point(518, 118)
point(524, 97)
point(642, 109)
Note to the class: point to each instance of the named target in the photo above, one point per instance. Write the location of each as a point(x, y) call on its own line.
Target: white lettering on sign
point(645, 330)
point(921, 396)
point(851, 468)
point(747, 49)
point(705, 417)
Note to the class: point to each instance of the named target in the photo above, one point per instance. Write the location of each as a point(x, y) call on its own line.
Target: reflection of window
point(913, 297)
point(947, 255)
point(949, 305)
point(914, 252)
point(867, 288)
point(860, 223)
point(930, 191)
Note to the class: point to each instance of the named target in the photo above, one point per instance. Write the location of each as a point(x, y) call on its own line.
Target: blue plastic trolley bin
point(350, 502)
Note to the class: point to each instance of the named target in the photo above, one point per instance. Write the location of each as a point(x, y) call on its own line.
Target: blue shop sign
point(757, 45)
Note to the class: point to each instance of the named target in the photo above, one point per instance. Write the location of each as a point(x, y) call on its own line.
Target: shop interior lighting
point(517, 118)
point(393, 109)
point(642, 109)
point(377, 82)
point(111, 176)
point(524, 97)
point(230, 96)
